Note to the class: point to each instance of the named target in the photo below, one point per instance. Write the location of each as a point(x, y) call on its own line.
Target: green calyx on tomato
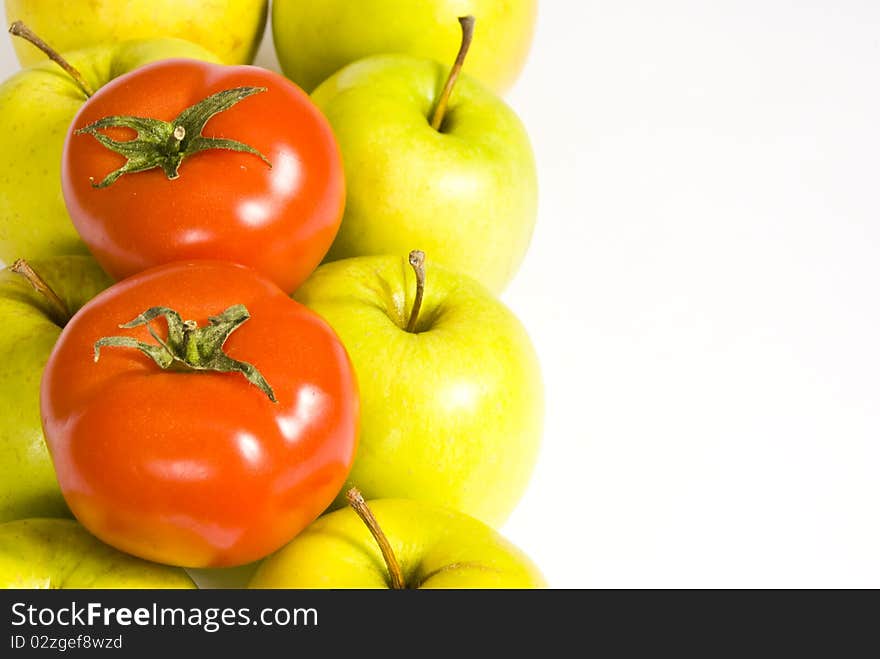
point(166, 144)
point(189, 347)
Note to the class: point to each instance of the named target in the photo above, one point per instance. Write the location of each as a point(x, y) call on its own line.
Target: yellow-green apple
point(466, 191)
point(60, 553)
point(32, 323)
point(37, 106)
point(451, 394)
point(231, 29)
point(397, 543)
point(315, 38)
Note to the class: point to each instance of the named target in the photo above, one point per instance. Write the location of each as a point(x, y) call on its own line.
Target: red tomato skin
point(225, 205)
point(200, 469)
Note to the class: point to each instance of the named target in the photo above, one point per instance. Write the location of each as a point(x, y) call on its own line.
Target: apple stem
point(467, 35)
point(417, 261)
point(356, 501)
point(19, 29)
point(58, 308)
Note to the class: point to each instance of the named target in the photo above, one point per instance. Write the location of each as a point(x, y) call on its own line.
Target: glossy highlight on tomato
point(225, 204)
point(199, 469)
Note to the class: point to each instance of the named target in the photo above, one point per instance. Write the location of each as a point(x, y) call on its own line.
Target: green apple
point(404, 544)
point(60, 553)
point(466, 193)
point(232, 29)
point(31, 326)
point(37, 106)
point(315, 38)
point(451, 412)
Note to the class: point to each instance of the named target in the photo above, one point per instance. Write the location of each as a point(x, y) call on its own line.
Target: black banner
point(387, 622)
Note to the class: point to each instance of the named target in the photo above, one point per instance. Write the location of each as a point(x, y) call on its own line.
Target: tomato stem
point(356, 501)
point(166, 144)
point(417, 261)
point(467, 36)
point(57, 308)
point(19, 29)
point(188, 347)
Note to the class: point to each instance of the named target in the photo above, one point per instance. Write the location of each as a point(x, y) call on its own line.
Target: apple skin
point(60, 553)
point(466, 195)
point(37, 106)
point(232, 29)
point(28, 487)
point(451, 414)
point(436, 548)
point(315, 38)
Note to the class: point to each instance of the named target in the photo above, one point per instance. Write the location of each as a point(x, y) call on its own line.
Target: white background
point(702, 289)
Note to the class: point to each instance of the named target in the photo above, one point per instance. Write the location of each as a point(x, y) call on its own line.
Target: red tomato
point(199, 468)
point(225, 204)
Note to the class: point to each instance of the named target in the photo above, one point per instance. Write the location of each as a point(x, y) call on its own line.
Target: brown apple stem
point(19, 29)
point(417, 261)
point(467, 35)
point(356, 501)
point(59, 310)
